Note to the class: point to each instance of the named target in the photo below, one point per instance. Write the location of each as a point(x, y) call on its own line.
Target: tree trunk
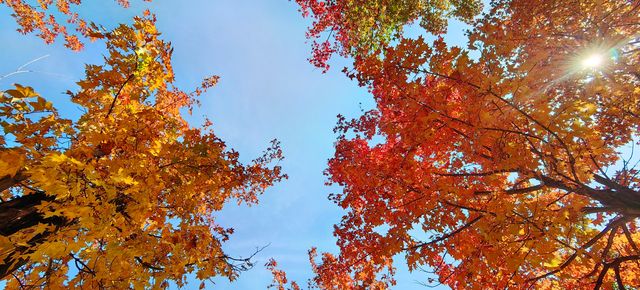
point(619, 196)
point(17, 214)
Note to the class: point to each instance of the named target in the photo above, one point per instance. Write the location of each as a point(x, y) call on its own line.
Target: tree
point(363, 26)
point(280, 280)
point(125, 195)
point(41, 18)
point(506, 164)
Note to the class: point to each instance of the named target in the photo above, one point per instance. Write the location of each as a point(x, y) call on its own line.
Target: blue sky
point(267, 90)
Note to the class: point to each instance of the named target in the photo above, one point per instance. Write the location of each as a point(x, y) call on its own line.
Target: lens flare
point(593, 61)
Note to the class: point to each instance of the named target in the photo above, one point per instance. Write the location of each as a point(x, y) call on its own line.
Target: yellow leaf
point(553, 263)
point(122, 177)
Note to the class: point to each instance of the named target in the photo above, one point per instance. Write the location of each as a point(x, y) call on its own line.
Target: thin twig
point(115, 98)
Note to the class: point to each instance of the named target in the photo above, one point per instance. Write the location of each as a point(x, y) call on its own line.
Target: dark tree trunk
point(619, 196)
point(21, 213)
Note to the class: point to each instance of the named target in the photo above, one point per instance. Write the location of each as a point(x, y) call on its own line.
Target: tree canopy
point(508, 163)
point(126, 195)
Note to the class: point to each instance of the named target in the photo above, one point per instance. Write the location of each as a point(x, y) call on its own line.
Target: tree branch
point(514, 190)
point(446, 236)
point(115, 98)
point(148, 265)
point(613, 224)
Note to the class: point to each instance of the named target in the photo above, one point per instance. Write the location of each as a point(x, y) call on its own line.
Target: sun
point(593, 61)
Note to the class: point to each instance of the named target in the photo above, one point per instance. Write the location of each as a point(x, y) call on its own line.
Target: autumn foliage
point(505, 164)
point(280, 280)
point(50, 20)
point(124, 196)
point(357, 27)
